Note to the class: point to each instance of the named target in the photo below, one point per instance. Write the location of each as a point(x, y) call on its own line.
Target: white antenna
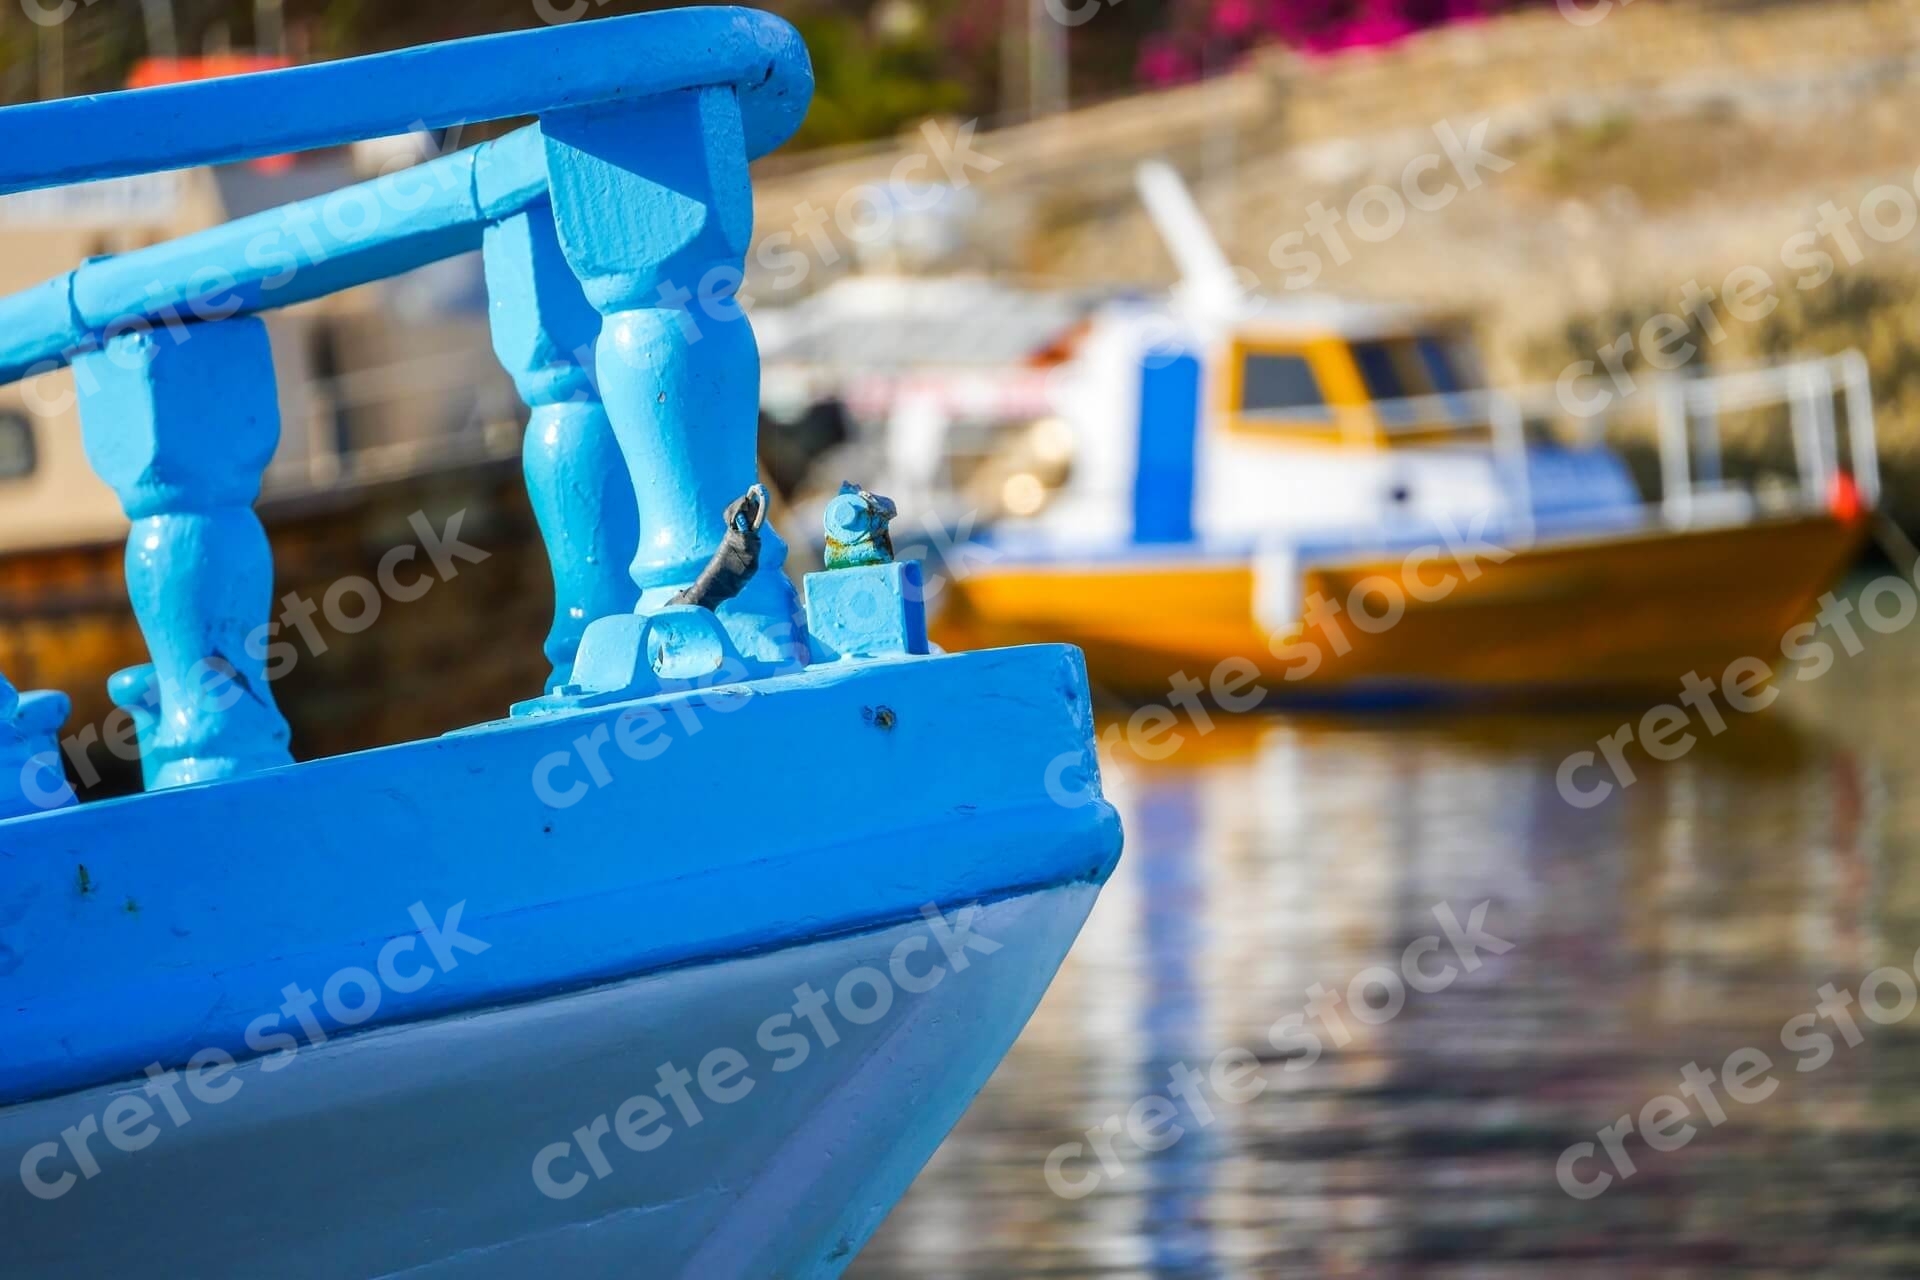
point(1207, 282)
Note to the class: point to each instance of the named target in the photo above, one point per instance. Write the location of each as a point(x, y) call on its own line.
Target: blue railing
point(614, 232)
point(278, 257)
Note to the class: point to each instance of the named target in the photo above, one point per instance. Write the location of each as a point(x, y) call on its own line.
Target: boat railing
point(1820, 398)
point(332, 458)
point(613, 231)
point(1691, 411)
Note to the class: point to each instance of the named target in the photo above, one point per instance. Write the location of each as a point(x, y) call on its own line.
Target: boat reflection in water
point(1690, 914)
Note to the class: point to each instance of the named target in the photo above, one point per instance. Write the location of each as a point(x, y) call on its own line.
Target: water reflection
point(1690, 914)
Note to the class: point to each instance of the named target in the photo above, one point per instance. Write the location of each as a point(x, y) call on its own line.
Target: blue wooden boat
point(681, 969)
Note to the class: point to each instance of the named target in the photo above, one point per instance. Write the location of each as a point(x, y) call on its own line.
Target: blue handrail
point(276, 258)
point(298, 252)
point(628, 199)
point(500, 77)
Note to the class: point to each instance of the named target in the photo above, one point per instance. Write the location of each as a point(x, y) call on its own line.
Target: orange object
point(1843, 498)
point(151, 72)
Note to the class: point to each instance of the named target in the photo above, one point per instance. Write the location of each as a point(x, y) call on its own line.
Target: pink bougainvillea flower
point(1235, 19)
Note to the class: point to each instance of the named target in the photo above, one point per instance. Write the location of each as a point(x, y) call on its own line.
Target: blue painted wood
point(279, 257)
point(182, 426)
point(136, 691)
point(867, 611)
point(638, 655)
point(707, 838)
point(30, 771)
point(657, 233)
point(544, 331)
point(444, 1120)
point(37, 327)
point(521, 73)
point(584, 844)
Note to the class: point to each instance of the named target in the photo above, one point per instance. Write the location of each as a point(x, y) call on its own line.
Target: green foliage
point(875, 77)
point(871, 87)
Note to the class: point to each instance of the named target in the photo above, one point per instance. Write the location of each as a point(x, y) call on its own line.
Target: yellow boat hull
point(1612, 613)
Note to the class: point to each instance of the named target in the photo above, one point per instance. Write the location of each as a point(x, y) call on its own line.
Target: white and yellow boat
point(1318, 499)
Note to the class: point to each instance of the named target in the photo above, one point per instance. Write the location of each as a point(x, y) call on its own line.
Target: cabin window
point(1453, 371)
point(1391, 377)
point(1280, 386)
point(1438, 363)
point(1383, 378)
point(17, 454)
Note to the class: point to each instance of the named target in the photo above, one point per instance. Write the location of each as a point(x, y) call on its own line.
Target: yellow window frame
point(1349, 421)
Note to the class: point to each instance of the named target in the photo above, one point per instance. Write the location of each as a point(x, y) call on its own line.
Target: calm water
point(1689, 915)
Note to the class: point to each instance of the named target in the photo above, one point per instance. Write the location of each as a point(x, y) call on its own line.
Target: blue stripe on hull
point(409, 1151)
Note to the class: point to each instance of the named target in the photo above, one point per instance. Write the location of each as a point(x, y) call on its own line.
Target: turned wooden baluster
point(654, 212)
point(181, 424)
point(544, 331)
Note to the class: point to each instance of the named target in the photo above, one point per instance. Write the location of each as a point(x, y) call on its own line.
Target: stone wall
point(1666, 144)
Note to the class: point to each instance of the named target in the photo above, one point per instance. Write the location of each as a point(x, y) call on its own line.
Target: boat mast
point(1208, 292)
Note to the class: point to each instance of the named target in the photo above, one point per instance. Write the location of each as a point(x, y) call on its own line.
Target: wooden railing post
point(654, 211)
point(181, 423)
point(544, 331)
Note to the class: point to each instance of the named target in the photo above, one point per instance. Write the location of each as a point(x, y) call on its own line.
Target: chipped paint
point(857, 526)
